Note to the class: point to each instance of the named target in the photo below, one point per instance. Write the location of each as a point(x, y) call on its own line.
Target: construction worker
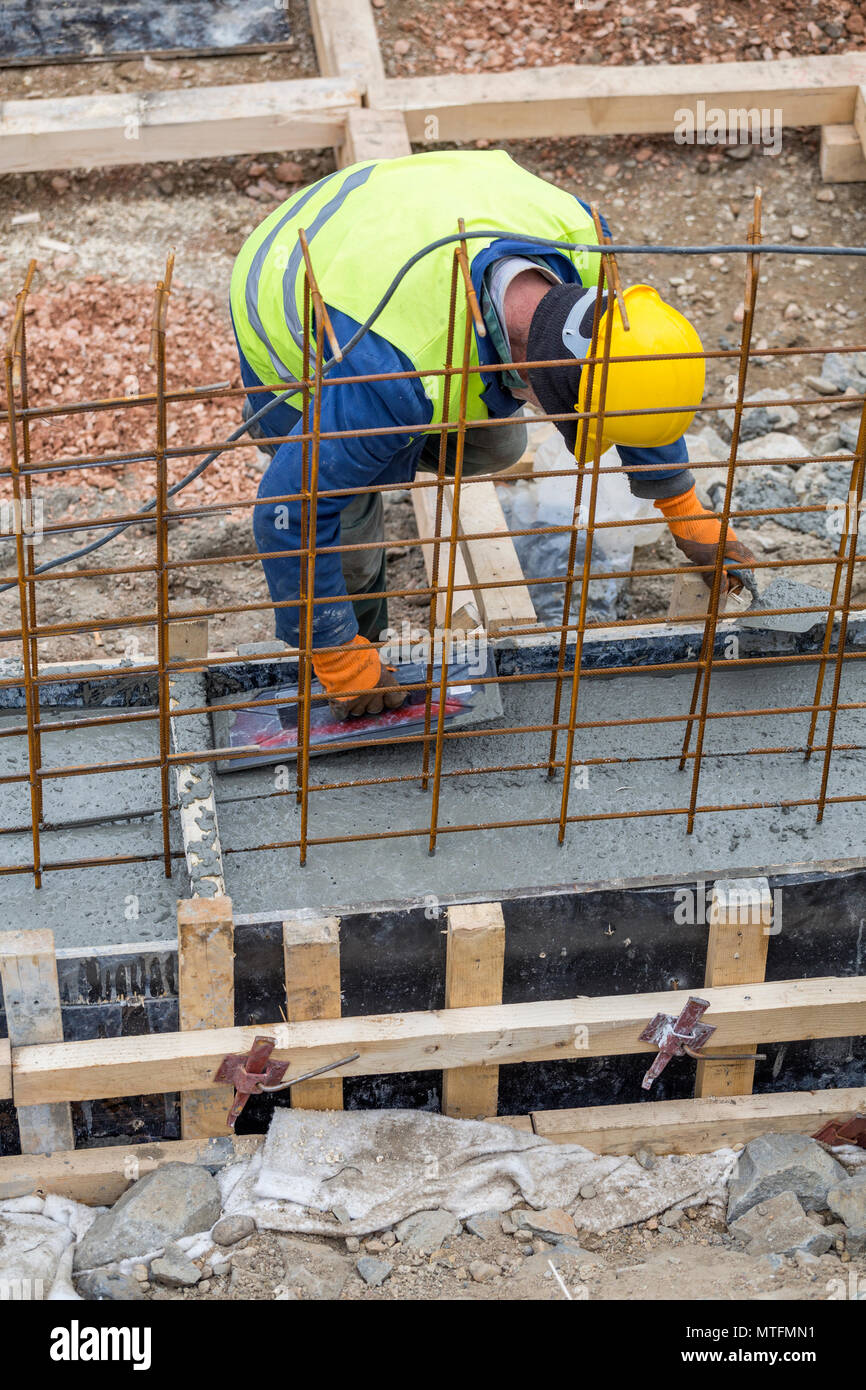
point(363, 224)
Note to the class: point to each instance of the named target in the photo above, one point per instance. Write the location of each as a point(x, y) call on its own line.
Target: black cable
point(497, 233)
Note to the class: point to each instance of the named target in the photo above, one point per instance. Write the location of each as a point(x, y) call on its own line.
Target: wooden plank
point(521, 1122)
point(781, 1011)
point(696, 1126)
point(842, 156)
point(373, 135)
point(98, 1177)
point(28, 972)
point(493, 560)
point(474, 967)
point(741, 915)
point(347, 44)
point(194, 123)
point(860, 116)
point(206, 999)
point(5, 1069)
point(582, 100)
point(465, 611)
point(311, 953)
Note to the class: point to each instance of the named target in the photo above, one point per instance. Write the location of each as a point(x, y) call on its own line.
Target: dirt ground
point(435, 36)
point(694, 1260)
point(101, 242)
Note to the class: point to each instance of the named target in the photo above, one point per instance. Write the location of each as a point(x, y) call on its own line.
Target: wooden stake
point(843, 159)
point(473, 975)
point(28, 971)
point(311, 949)
point(741, 914)
point(206, 997)
point(188, 640)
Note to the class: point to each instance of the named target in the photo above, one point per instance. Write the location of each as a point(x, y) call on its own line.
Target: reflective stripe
point(576, 342)
point(290, 304)
point(251, 289)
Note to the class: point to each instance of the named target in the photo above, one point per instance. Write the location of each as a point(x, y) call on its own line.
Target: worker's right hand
point(698, 539)
point(356, 681)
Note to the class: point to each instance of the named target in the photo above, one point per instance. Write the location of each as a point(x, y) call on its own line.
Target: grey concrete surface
point(134, 902)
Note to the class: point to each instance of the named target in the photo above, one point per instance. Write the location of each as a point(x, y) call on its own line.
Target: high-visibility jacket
point(362, 225)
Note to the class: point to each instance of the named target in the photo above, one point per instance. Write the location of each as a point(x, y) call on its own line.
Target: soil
point(695, 1260)
point(443, 36)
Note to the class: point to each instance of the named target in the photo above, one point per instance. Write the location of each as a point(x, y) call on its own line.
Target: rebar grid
point(464, 320)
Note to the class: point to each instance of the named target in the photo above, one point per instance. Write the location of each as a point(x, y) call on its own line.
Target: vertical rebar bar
point(30, 544)
point(15, 368)
point(851, 523)
point(704, 669)
point(587, 559)
point(309, 558)
point(441, 480)
point(580, 455)
point(857, 478)
point(471, 308)
point(305, 538)
point(163, 290)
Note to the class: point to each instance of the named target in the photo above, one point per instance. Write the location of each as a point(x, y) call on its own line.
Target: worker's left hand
point(698, 539)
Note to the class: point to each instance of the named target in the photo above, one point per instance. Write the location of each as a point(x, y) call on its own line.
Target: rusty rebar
point(703, 674)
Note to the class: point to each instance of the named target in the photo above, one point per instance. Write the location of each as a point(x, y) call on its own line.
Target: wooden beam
point(347, 44)
point(493, 560)
point(206, 999)
point(583, 100)
point(311, 952)
point(782, 1011)
point(373, 135)
point(696, 1126)
point(842, 155)
point(465, 610)
point(28, 972)
point(741, 915)
point(860, 116)
point(5, 1069)
point(474, 967)
point(98, 1177)
point(194, 123)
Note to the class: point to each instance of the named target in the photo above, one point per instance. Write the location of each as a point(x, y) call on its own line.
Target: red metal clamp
point(851, 1131)
point(676, 1037)
point(248, 1074)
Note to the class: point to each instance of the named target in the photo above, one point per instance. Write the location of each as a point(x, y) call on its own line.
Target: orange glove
point(699, 539)
point(357, 668)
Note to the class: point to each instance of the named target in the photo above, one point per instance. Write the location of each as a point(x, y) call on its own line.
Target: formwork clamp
point(676, 1037)
point(685, 1036)
point(256, 1073)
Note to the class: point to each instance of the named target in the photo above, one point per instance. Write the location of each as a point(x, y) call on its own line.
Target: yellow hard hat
point(656, 329)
